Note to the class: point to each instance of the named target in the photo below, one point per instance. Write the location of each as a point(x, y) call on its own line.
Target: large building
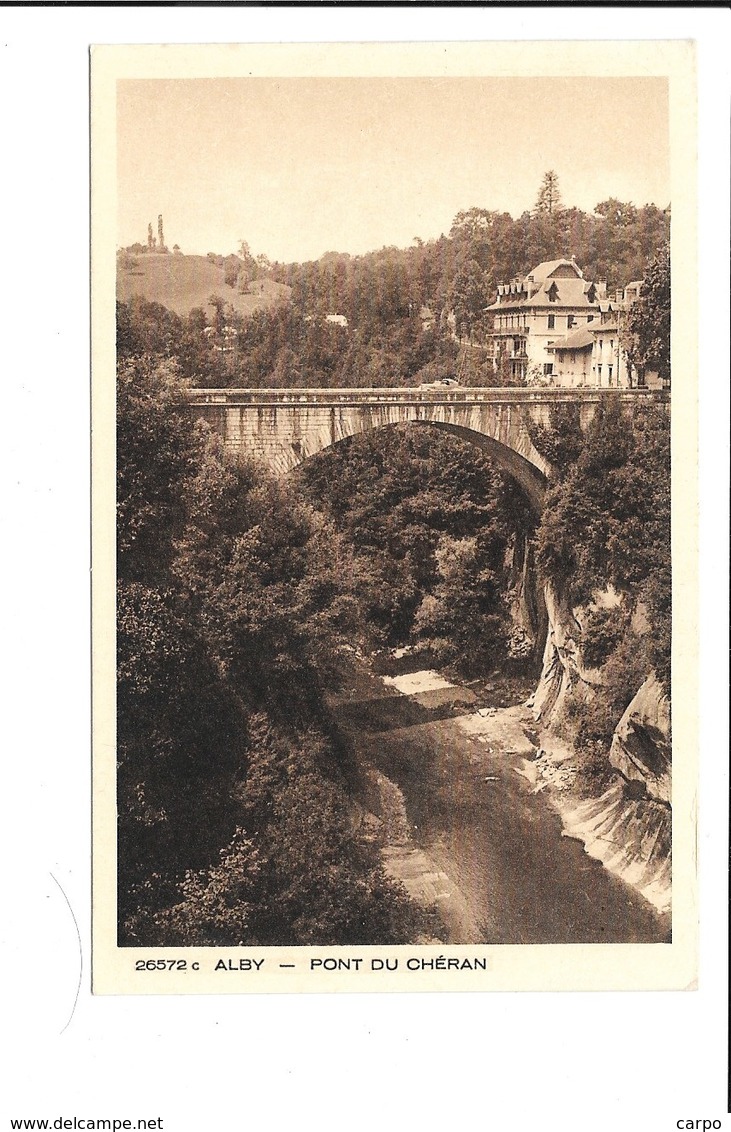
point(534, 310)
point(596, 353)
point(553, 327)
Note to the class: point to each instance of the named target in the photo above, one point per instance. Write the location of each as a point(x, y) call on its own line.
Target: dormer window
point(591, 293)
point(553, 293)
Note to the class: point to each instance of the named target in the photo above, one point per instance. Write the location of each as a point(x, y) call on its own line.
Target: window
point(609, 373)
point(611, 344)
point(552, 293)
point(551, 321)
point(547, 368)
point(599, 372)
point(570, 321)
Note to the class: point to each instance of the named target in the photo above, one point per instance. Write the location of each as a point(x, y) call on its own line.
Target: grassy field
point(182, 282)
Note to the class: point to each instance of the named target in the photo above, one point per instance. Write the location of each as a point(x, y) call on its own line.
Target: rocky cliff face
point(562, 668)
point(641, 743)
point(628, 827)
point(525, 598)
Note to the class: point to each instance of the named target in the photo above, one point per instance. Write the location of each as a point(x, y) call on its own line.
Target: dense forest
point(233, 795)
point(460, 272)
point(239, 595)
point(402, 311)
point(434, 526)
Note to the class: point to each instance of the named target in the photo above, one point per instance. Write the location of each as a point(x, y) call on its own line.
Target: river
point(477, 839)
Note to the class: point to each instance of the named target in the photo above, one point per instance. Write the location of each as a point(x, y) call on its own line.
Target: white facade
point(595, 354)
point(552, 327)
point(532, 311)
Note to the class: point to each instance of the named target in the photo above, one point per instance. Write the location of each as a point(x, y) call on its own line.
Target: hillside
point(182, 282)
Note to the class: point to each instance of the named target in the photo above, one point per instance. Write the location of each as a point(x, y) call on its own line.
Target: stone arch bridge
point(284, 427)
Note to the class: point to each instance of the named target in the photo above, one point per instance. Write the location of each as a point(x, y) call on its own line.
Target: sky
point(297, 167)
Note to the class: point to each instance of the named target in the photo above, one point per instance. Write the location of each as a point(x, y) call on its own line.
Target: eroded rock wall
point(641, 743)
point(562, 668)
point(628, 826)
point(525, 598)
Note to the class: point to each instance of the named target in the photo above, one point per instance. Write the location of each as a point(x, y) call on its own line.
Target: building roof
point(578, 339)
point(571, 293)
point(546, 269)
point(532, 290)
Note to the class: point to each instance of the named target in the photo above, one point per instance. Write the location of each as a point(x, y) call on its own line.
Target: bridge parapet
point(423, 395)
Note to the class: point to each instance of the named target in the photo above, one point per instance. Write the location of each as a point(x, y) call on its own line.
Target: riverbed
point(474, 836)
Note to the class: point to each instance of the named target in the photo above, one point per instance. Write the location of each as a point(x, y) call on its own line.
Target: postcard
point(394, 517)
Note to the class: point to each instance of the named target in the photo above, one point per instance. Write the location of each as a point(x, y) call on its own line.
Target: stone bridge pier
point(284, 427)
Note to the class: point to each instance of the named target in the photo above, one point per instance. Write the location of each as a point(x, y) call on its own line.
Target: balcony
point(507, 355)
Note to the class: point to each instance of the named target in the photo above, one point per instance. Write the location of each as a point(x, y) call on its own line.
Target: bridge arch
point(286, 427)
point(532, 481)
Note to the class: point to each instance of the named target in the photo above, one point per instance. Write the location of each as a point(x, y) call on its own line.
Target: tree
point(219, 312)
point(231, 268)
point(616, 212)
point(154, 446)
point(562, 441)
point(469, 297)
point(464, 619)
point(235, 821)
point(472, 225)
point(649, 320)
point(549, 196)
point(429, 521)
point(607, 519)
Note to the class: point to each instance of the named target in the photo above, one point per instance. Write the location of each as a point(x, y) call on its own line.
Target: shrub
point(602, 632)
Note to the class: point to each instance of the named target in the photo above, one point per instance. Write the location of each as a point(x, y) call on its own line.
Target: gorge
point(243, 816)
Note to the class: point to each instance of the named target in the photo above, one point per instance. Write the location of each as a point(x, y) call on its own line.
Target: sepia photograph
point(390, 561)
